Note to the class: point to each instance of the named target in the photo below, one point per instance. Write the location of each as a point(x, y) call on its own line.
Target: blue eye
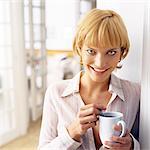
point(111, 52)
point(91, 51)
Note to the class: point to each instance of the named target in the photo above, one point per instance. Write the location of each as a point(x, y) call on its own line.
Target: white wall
point(145, 85)
point(61, 20)
point(132, 12)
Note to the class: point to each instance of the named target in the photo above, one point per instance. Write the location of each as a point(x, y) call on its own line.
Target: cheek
point(114, 62)
point(86, 60)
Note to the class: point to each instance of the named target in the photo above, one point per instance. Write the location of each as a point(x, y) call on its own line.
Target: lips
point(97, 70)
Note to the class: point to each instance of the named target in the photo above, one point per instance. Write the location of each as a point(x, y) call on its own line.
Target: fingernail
point(105, 142)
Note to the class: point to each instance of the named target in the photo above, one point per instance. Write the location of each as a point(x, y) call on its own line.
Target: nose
point(100, 61)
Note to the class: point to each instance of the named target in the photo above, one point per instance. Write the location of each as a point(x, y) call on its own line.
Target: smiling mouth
point(98, 70)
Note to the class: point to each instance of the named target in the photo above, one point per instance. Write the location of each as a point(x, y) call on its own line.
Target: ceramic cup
point(107, 120)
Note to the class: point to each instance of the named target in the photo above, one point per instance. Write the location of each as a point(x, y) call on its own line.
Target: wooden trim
point(69, 53)
point(49, 52)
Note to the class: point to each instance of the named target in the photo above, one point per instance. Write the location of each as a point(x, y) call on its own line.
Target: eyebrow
point(112, 49)
point(88, 47)
point(94, 48)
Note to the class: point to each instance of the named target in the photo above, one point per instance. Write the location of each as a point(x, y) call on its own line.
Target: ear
point(124, 52)
point(119, 65)
point(79, 51)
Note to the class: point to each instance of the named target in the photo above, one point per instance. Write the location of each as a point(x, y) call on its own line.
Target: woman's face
point(99, 63)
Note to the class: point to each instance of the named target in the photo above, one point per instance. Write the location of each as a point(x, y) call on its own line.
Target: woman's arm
point(49, 138)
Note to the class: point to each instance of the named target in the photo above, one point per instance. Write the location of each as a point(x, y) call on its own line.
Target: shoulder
point(133, 87)
point(57, 88)
point(65, 88)
point(129, 88)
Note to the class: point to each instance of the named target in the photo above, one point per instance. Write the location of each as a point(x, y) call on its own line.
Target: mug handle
point(123, 124)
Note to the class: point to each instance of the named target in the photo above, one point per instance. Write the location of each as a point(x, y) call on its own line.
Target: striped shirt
point(62, 103)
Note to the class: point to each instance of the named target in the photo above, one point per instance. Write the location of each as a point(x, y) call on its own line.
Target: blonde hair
point(101, 28)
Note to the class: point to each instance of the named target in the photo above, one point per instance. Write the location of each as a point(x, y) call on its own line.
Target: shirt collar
point(73, 86)
point(114, 87)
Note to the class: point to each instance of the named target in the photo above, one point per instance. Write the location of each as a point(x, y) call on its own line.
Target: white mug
point(107, 120)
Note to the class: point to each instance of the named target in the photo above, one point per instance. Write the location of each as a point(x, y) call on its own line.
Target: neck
point(91, 86)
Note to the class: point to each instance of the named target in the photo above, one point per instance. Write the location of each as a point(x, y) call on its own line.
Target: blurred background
point(36, 50)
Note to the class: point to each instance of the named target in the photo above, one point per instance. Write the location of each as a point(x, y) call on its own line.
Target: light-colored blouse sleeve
point(49, 139)
point(136, 143)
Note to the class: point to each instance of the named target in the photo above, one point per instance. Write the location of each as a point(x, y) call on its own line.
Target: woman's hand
point(120, 143)
point(86, 118)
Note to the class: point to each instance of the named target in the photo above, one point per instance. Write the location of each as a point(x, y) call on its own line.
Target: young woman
point(71, 107)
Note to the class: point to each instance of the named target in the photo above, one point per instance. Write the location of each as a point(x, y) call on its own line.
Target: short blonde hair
point(101, 28)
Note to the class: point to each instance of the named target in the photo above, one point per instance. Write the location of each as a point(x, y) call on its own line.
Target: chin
point(100, 76)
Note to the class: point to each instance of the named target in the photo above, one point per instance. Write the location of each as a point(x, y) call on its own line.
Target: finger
point(122, 140)
point(117, 127)
point(116, 146)
point(88, 125)
point(127, 133)
point(87, 106)
point(89, 111)
point(87, 119)
point(112, 144)
point(96, 105)
point(118, 140)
